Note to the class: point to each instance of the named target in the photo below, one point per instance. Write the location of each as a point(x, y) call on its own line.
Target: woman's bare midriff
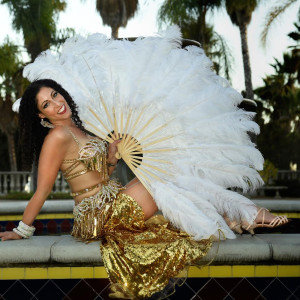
point(134, 189)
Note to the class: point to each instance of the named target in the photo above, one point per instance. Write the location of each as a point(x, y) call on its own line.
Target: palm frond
point(275, 12)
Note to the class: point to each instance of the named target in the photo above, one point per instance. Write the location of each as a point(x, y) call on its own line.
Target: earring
point(46, 124)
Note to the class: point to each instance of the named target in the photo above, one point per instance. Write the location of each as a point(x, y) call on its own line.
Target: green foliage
point(37, 21)
point(190, 16)
point(240, 11)
point(279, 110)
point(269, 172)
point(274, 13)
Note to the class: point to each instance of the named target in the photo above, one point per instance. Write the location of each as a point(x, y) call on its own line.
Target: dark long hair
point(32, 133)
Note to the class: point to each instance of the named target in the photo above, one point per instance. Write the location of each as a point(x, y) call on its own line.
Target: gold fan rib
point(102, 134)
point(158, 141)
point(154, 151)
point(121, 123)
point(131, 143)
point(116, 130)
point(105, 127)
point(146, 125)
point(100, 95)
point(126, 128)
point(133, 147)
point(150, 166)
point(141, 176)
point(148, 172)
point(128, 137)
point(152, 159)
point(153, 132)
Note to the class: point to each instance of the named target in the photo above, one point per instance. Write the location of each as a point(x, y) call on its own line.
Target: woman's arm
point(53, 152)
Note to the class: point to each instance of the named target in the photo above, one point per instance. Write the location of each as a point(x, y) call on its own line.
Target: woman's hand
point(112, 150)
point(9, 235)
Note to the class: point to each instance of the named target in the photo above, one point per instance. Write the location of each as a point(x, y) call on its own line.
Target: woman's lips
point(62, 110)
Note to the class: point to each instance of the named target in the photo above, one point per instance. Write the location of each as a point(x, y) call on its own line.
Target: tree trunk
point(115, 32)
point(246, 60)
point(12, 151)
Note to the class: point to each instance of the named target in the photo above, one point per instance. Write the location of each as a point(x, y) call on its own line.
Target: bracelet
point(26, 227)
point(24, 230)
point(20, 233)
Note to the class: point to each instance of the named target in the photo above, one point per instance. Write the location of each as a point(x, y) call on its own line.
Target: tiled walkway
point(192, 289)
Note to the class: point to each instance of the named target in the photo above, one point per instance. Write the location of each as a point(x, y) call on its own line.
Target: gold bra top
point(93, 156)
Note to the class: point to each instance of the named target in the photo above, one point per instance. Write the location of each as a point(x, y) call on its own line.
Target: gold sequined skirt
point(139, 256)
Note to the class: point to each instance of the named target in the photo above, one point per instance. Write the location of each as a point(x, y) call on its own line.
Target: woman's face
point(52, 105)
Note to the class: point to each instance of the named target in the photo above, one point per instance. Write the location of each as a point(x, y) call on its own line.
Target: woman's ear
point(42, 116)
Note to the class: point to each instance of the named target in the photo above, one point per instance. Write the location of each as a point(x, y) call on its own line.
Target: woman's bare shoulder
point(58, 135)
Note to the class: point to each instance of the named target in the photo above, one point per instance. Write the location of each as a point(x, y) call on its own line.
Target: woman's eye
point(55, 94)
point(45, 106)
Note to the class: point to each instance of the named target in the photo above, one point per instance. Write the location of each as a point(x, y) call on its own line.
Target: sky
point(82, 16)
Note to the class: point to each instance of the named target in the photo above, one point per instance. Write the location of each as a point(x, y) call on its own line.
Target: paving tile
point(34, 285)
point(276, 290)
point(98, 285)
point(183, 292)
point(212, 290)
point(82, 291)
point(292, 297)
point(297, 292)
point(291, 283)
point(260, 283)
point(17, 290)
point(5, 285)
point(228, 284)
point(244, 291)
point(50, 290)
point(66, 285)
point(260, 297)
point(196, 283)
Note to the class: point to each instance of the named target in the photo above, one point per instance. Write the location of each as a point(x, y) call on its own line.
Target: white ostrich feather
point(193, 137)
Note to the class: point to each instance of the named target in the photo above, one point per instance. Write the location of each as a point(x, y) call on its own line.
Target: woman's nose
point(57, 103)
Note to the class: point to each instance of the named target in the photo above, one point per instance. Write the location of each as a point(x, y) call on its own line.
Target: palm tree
point(10, 88)
point(116, 13)
point(279, 108)
point(191, 17)
point(240, 13)
point(274, 14)
point(37, 21)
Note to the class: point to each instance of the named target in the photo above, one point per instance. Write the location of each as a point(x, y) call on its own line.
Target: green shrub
point(269, 172)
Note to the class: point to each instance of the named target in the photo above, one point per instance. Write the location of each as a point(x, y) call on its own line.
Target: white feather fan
point(182, 133)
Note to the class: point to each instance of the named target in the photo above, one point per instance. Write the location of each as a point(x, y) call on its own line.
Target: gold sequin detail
point(140, 257)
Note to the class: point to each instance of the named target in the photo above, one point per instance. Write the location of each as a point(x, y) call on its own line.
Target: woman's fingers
point(9, 235)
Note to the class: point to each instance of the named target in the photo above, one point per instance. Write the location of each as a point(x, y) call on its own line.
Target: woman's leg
point(139, 193)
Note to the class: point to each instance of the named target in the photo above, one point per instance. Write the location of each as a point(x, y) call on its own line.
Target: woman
point(123, 214)
point(140, 251)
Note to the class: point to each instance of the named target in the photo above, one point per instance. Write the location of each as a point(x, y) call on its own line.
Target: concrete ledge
point(279, 204)
point(243, 250)
point(34, 250)
point(70, 250)
point(65, 250)
point(50, 206)
point(66, 206)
